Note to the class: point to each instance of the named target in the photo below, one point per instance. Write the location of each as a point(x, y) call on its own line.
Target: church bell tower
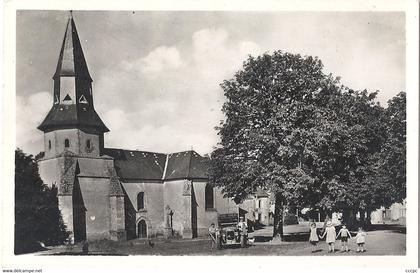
point(90, 196)
point(72, 124)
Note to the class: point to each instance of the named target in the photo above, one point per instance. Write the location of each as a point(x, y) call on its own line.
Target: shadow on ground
point(262, 239)
point(29, 247)
point(298, 237)
point(86, 254)
point(393, 228)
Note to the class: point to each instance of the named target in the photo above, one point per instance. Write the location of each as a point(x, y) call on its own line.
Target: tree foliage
point(37, 217)
point(299, 133)
point(391, 161)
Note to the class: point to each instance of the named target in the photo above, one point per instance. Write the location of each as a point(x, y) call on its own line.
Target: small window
point(49, 144)
point(209, 197)
point(88, 144)
point(140, 200)
point(67, 98)
point(66, 143)
point(82, 99)
point(259, 203)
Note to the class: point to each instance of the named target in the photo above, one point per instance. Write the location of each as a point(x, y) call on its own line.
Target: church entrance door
point(142, 229)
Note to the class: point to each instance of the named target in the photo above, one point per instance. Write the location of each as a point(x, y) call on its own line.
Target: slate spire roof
point(71, 61)
point(73, 108)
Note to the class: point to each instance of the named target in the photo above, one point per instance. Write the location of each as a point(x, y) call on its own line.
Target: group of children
point(331, 237)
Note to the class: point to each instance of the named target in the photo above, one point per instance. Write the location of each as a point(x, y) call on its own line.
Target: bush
point(37, 216)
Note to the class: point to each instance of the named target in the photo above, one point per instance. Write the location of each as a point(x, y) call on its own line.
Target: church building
point(107, 193)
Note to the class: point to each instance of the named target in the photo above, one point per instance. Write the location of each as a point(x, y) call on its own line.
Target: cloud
point(158, 89)
point(249, 48)
point(30, 111)
point(165, 138)
point(160, 101)
point(159, 59)
point(216, 56)
point(171, 109)
point(209, 45)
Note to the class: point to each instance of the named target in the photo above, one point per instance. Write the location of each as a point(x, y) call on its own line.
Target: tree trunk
point(362, 219)
point(368, 219)
point(278, 217)
point(362, 216)
point(349, 218)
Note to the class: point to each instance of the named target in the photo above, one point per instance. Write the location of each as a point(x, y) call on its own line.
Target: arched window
point(49, 144)
point(88, 144)
point(66, 143)
point(140, 200)
point(209, 197)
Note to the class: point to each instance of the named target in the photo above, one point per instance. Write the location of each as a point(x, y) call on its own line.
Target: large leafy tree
point(391, 162)
point(37, 217)
point(273, 130)
point(297, 132)
point(355, 137)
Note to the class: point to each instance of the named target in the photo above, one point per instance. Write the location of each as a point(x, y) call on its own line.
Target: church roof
point(188, 164)
point(71, 61)
point(157, 166)
point(137, 164)
point(72, 115)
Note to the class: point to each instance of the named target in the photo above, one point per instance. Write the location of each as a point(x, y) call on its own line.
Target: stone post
point(187, 211)
point(168, 228)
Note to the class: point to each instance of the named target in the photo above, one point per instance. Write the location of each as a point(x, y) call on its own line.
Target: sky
point(156, 75)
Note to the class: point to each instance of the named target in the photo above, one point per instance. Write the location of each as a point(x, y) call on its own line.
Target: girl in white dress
point(330, 232)
point(361, 240)
point(313, 237)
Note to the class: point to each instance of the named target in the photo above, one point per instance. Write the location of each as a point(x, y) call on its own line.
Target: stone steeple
point(73, 99)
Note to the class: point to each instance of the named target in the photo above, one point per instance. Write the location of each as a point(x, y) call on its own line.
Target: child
point(213, 235)
point(344, 234)
point(360, 240)
point(330, 232)
point(313, 237)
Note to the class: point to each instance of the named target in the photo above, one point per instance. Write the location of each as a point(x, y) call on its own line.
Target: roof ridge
point(139, 151)
point(185, 151)
point(165, 168)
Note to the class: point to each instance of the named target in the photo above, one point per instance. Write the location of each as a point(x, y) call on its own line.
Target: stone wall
point(180, 205)
point(153, 212)
point(77, 143)
point(50, 171)
point(204, 216)
point(117, 229)
point(224, 205)
point(95, 193)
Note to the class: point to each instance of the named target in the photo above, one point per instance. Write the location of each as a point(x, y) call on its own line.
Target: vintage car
point(229, 232)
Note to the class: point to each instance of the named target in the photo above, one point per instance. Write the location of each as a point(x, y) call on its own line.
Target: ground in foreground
point(383, 240)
